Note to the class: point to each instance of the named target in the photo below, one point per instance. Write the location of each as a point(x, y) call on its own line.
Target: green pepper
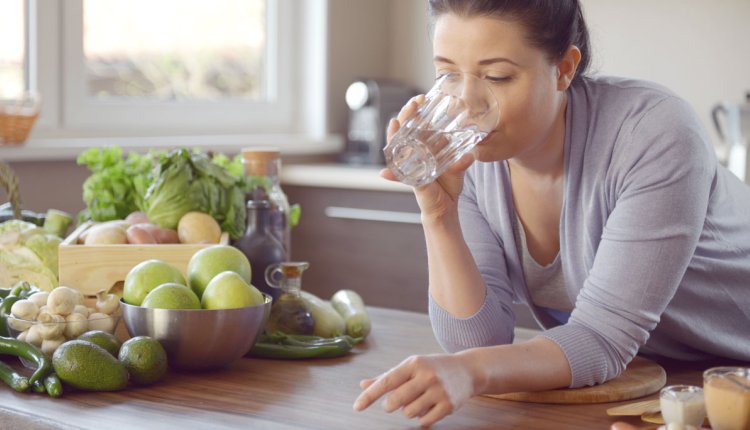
point(280, 345)
point(4, 292)
point(14, 380)
point(10, 346)
point(53, 385)
point(20, 289)
point(38, 386)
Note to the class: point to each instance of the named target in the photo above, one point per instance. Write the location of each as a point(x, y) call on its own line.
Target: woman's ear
point(566, 68)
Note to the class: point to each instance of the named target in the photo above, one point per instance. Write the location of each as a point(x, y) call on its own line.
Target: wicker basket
point(17, 119)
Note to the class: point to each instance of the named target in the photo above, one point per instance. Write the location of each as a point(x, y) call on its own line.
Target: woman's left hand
point(427, 387)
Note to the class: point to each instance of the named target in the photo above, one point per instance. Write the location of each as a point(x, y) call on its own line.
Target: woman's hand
point(440, 197)
point(427, 387)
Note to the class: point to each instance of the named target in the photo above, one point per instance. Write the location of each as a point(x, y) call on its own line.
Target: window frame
point(298, 109)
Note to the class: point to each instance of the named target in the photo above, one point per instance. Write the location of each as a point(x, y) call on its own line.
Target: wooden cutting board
point(641, 378)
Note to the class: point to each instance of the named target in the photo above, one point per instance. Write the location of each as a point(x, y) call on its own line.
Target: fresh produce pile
point(164, 186)
point(136, 228)
point(96, 361)
point(338, 326)
point(49, 319)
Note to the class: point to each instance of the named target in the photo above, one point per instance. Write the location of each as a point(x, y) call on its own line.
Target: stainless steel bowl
point(199, 339)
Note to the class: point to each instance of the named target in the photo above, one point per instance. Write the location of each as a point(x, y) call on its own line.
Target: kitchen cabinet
point(367, 241)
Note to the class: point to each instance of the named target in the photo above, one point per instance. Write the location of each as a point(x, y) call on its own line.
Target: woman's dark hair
point(553, 25)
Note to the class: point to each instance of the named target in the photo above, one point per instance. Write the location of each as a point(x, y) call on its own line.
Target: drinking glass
point(727, 391)
point(682, 406)
point(458, 112)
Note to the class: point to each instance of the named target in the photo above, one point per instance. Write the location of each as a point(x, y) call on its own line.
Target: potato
point(139, 236)
point(137, 218)
point(106, 234)
point(198, 227)
point(161, 235)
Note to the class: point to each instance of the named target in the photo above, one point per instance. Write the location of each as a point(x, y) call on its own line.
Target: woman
point(597, 201)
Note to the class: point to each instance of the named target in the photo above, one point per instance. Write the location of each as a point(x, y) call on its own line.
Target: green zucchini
point(350, 306)
point(328, 322)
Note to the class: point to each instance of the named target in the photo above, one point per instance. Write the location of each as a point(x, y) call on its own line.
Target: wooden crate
point(92, 268)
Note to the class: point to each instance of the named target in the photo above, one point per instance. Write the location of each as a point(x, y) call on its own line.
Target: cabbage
point(18, 263)
point(45, 247)
point(185, 182)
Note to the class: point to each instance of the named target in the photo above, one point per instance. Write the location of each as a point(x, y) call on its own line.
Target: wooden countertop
point(317, 394)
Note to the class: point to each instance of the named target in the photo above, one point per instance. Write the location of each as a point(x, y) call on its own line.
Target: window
point(12, 49)
point(168, 67)
point(209, 51)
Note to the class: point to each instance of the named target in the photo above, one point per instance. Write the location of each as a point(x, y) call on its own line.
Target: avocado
point(108, 341)
point(86, 366)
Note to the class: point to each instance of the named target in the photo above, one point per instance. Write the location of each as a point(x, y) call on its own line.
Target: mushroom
point(62, 300)
point(50, 326)
point(99, 321)
point(50, 345)
point(32, 335)
point(39, 299)
point(81, 309)
point(24, 309)
point(107, 303)
point(75, 326)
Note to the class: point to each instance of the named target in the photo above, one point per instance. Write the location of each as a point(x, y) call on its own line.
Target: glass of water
point(458, 112)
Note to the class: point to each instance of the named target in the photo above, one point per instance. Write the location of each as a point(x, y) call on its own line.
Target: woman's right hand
point(438, 198)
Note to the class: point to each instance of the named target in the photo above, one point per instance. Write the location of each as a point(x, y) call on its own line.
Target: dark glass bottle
point(260, 245)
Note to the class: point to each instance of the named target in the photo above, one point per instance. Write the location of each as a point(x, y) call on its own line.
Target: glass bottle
point(262, 170)
point(260, 245)
point(289, 313)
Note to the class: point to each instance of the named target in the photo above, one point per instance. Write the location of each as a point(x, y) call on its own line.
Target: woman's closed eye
point(498, 79)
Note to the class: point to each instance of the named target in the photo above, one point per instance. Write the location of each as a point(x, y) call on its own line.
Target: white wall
point(698, 48)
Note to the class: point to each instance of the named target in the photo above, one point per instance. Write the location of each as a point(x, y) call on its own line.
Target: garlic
point(75, 326)
point(81, 309)
point(62, 300)
point(24, 309)
point(50, 345)
point(99, 321)
point(50, 326)
point(32, 335)
point(39, 299)
point(107, 303)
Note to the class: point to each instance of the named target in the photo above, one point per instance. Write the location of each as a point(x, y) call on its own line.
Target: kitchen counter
point(277, 394)
point(342, 176)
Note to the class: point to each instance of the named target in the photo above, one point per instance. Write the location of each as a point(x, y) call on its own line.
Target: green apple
point(209, 262)
point(171, 296)
point(228, 290)
point(146, 276)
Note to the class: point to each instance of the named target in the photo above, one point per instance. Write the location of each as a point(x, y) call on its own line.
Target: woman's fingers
point(387, 174)
point(383, 384)
point(363, 384)
point(404, 395)
point(393, 126)
point(438, 412)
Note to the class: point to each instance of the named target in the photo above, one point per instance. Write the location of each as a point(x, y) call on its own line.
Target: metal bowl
point(199, 339)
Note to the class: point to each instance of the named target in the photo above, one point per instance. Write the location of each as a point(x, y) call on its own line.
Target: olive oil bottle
point(289, 313)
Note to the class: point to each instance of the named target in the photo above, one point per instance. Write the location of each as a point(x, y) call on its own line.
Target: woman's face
point(520, 75)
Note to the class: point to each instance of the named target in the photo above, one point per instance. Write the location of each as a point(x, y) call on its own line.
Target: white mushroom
point(32, 335)
point(50, 326)
point(40, 298)
point(107, 303)
point(22, 336)
point(24, 309)
point(81, 309)
point(43, 308)
point(19, 324)
point(75, 326)
point(99, 321)
point(50, 345)
point(62, 301)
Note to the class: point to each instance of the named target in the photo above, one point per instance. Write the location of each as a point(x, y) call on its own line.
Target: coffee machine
point(372, 103)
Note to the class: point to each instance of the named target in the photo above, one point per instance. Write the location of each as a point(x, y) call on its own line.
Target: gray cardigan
point(654, 238)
